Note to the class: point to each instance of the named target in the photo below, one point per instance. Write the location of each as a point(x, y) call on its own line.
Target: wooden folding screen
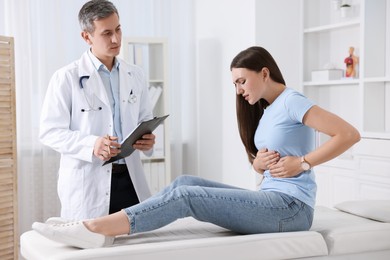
point(8, 182)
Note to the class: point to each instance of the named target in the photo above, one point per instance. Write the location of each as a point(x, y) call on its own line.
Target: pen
point(108, 137)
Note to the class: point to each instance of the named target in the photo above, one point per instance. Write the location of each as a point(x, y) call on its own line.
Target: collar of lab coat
point(93, 84)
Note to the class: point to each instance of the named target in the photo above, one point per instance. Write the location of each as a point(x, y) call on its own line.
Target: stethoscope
point(132, 98)
point(91, 107)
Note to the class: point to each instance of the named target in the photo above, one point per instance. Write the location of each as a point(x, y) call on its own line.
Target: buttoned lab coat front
point(83, 183)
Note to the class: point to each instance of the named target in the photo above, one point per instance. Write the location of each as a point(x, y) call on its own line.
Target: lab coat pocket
point(71, 189)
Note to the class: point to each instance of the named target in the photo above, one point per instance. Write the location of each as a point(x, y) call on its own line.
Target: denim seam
point(290, 218)
point(132, 215)
point(131, 219)
point(194, 196)
point(206, 196)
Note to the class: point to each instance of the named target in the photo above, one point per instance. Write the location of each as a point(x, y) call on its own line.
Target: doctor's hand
point(145, 143)
point(106, 147)
point(264, 159)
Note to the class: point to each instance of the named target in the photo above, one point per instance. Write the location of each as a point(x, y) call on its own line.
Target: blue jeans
point(239, 210)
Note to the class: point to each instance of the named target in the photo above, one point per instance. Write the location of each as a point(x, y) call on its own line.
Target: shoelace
point(67, 224)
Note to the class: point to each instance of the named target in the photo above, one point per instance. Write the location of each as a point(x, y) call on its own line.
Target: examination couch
point(353, 230)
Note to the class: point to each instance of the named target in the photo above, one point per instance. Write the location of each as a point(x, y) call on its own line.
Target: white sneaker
point(57, 220)
point(73, 234)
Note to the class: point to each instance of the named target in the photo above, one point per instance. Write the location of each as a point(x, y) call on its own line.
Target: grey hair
point(95, 10)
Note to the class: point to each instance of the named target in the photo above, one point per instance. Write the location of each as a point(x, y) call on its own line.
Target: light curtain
point(36, 164)
point(47, 37)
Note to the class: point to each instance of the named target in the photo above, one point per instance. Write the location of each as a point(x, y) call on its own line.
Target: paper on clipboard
point(145, 127)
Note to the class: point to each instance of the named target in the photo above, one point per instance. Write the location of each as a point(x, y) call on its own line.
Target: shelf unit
point(365, 100)
point(363, 171)
point(151, 55)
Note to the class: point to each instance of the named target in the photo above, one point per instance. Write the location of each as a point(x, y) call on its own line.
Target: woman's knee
point(185, 180)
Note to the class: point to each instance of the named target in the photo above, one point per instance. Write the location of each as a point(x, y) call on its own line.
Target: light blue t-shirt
point(281, 129)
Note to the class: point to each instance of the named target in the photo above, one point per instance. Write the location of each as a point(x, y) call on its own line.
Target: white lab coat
point(83, 183)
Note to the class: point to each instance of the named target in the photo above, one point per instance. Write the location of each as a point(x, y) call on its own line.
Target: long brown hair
point(248, 116)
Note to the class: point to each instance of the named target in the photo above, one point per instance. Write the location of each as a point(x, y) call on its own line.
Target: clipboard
point(145, 127)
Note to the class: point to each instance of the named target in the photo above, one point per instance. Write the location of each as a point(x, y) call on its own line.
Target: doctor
point(90, 106)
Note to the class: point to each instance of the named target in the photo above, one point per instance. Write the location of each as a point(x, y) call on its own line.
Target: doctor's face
point(106, 40)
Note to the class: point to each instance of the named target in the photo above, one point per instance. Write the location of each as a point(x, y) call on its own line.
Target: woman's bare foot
point(111, 225)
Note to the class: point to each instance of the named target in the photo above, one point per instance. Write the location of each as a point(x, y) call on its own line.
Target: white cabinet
point(364, 100)
point(150, 54)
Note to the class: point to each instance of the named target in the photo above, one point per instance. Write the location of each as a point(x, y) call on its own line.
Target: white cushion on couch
point(346, 233)
point(184, 239)
point(378, 210)
point(358, 239)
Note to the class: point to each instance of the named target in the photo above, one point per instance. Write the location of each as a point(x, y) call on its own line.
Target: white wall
point(223, 28)
point(3, 18)
point(278, 24)
point(203, 38)
point(47, 37)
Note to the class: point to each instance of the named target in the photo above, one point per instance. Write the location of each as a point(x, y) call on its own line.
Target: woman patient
point(277, 126)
